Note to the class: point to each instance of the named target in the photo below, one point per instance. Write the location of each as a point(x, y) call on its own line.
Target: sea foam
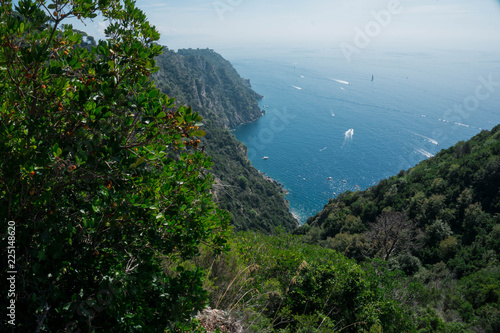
point(426, 138)
point(348, 134)
point(424, 152)
point(341, 81)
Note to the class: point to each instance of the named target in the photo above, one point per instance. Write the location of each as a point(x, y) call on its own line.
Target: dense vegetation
point(208, 82)
point(439, 222)
point(279, 284)
point(272, 283)
point(102, 183)
point(108, 184)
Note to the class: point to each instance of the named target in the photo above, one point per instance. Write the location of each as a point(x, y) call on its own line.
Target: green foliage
point(448, 248)
point(203, 79)
point(406, 263)
point(277, 283)
point(437, 232)
point(452, 204)
point(430, 322)
point(101, 174)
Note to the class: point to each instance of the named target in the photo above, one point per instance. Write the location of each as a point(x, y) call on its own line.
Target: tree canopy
point(100, 172)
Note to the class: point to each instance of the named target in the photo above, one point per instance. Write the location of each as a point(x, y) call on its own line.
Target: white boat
point(265, 158)
point(329, 178)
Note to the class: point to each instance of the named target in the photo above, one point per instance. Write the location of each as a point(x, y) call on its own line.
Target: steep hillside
point(279, 284)
point(438, 222)
point(208, 83)
point(453, 197)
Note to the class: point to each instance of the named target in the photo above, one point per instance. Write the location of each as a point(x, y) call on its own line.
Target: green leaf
point(56, 150)
point(153, 93)
point(138, 162)
point(161, 115)
point(199, 133)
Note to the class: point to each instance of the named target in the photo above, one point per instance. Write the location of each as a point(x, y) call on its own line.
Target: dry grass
point(213, 319)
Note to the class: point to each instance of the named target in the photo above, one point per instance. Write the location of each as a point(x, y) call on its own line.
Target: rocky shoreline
point(284, 191)
point(275, 182)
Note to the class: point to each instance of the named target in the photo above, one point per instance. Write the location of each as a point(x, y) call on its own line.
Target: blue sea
point(329, 127)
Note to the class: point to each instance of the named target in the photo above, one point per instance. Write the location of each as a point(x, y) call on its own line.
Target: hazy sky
point(220, 24)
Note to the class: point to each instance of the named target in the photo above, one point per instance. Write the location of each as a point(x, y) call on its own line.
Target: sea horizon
point(330, 126)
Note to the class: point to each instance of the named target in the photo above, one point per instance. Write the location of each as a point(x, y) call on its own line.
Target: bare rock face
point(213, 319)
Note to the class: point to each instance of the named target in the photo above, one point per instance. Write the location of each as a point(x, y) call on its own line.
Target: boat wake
point(426, 138)
point(348, 134)
point(341, 81)
point(298, 88)
point(424, 152)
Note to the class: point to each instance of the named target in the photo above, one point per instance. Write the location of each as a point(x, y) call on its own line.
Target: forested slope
point(279, 284)
point(438, 222)
point(208, 83)
point(106, 194)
